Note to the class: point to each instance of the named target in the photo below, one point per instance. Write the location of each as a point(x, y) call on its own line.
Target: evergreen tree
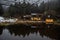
point(1, 10)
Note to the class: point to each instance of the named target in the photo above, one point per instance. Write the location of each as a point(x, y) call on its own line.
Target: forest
point(20, 9)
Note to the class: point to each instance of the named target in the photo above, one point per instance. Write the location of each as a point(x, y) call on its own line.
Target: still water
point(24, 33)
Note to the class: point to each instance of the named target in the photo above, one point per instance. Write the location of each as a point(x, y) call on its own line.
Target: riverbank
point(27, 23)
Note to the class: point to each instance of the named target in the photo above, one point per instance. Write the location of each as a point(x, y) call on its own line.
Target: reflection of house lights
point(48, 26)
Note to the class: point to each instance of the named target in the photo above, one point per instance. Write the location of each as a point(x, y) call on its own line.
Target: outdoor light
point(49, 16)
point(49, 21)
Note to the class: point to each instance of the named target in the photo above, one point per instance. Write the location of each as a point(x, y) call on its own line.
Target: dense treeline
point(1, 10)
point(24, 8)
point(19, 9)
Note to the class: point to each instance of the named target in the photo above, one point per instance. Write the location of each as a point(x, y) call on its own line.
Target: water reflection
point(23, 33)
point(1, 29)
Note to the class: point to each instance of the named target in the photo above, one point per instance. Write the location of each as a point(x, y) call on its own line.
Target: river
point(31, 33)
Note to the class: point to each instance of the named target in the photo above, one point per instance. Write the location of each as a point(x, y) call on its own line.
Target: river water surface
point(24, 33)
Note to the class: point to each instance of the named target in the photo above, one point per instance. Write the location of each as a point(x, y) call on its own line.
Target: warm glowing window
point(49, 20)
point(35, 18)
